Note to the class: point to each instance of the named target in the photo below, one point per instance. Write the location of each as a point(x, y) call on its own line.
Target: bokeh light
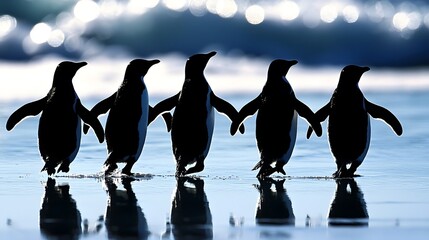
point(86, 10)
point(400, 20)
point(289, 10)
point(111, 8)
point(380, 11)
point(198, 7)
point(176, 5)
point(426, 20)
point(56, 38)
point(328, 13)
point(7, 25)
point(140, 7)
point(415, 20)
point(351, 14)
point(255, 14)
point(226, 8)
point(40, 33)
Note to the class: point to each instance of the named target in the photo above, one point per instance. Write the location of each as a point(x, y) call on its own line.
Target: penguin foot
point(127, 172)
point(265, 172)
point(65, 167)
point(109, 168)
point(197, 168)
point(180, 171)
point(343, 173)
point(280, 170)
point(127, 169)
point(49, 168)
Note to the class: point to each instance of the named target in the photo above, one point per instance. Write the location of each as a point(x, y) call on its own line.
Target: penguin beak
point(293, 62)
point(211, 54)
point(153, 62)
point(81, 64)
point(365, 69)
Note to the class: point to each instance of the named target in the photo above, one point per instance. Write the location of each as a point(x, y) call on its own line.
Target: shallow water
point(393, 188)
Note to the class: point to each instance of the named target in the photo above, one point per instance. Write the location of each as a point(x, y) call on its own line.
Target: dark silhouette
point(59, 216)
point(274, 207)
point(190, 212)
point(193, 118)
point(349, 130)
point(129, 115)
point(124, 217)
point(276, 122)
point(348, 207)
point(60, 122)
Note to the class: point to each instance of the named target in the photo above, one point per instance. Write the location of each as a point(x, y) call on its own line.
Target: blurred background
point(385, 34)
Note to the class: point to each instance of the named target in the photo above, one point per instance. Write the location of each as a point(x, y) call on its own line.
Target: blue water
point(393, 187)
point(321, 33)
point(225, 201)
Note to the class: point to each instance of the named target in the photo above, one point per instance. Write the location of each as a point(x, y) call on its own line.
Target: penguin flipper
point(29, 109)
point(163, 106)
point(382, 113)
point(91, 120)
point(225, 107)
point(101, 108)
point(320, 116)
point(249, 109)
point(305, 112)
point(168, 118)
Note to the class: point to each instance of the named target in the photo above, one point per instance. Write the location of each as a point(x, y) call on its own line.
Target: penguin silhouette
point(193, 117)
point(127, 122)
point(349, 129)
point(59, 216)
point(348, 206)
point(190, 213)
point(124, 217)
point(274, 207)
point(276, 121)
point(60, 123)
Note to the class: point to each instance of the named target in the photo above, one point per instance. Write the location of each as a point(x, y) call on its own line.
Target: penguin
point(349, 128)
point(127, 122)
point(193, 117)
point(59, 130)
point(276, 121)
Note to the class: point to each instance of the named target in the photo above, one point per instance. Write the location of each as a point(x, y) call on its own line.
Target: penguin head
point(139, 67)
point(66, 70)
point(280, 67)
point(351, 74)
point(197, 63)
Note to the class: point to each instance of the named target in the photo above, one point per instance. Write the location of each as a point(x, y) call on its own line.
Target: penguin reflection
point(274, 207)
point(348, 206)
point(190, 212)
point(124, 217)
point(59, 216)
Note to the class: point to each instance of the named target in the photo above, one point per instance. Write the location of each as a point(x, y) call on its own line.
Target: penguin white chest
point(78, 133)
point(209, 121)
point(292, 135)
point(143, 121)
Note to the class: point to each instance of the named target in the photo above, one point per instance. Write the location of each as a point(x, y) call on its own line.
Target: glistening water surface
point(393, 188)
